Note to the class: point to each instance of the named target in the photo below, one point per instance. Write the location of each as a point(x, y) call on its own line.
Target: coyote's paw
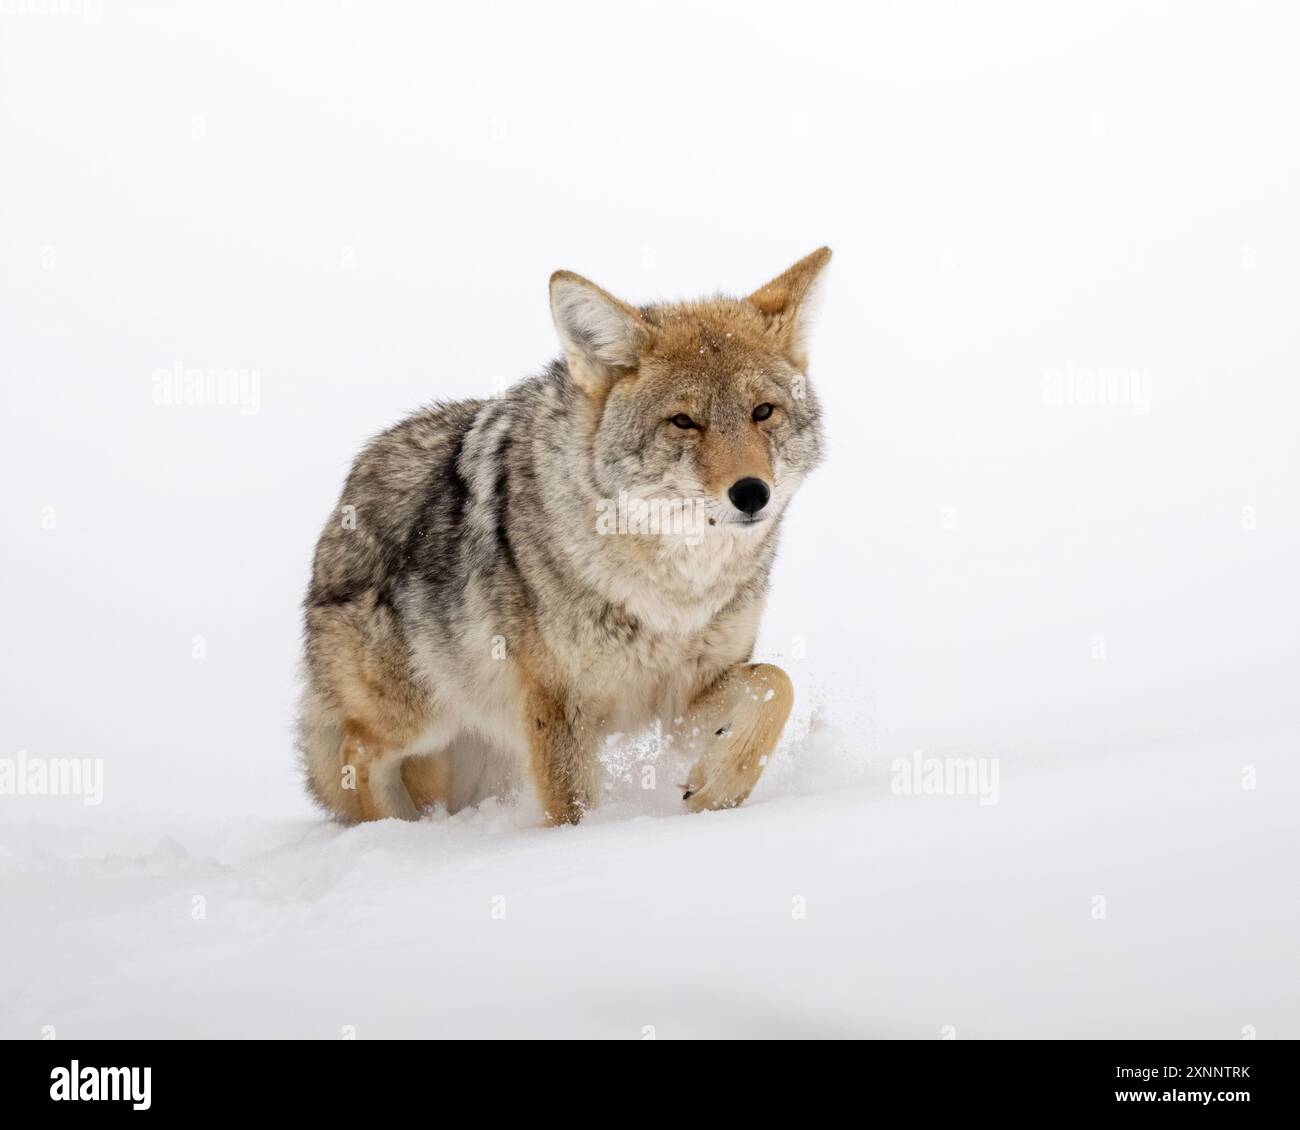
point(744, 716)
point(722, 777)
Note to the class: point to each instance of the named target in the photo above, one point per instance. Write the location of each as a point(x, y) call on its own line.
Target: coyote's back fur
point(482, 609)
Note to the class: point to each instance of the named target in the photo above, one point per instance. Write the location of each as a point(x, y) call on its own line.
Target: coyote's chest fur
point(666, 629)
point(639, 627)
point(472, 617)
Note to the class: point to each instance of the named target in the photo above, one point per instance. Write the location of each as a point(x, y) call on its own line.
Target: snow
point(918, 913)
point(1089, 599)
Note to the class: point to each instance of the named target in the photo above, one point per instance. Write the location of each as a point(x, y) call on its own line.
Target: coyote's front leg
point(734, 725)
point(562, 754)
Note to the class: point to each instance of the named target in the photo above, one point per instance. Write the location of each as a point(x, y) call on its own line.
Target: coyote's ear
point(602, 337)
point(785, 302)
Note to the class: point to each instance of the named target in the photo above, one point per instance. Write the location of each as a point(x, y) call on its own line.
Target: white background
point(362, 203)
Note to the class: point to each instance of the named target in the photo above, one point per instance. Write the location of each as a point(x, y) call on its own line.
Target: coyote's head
point(706, 403)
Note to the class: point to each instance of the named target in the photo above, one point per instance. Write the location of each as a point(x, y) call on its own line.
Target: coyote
point(475, 620)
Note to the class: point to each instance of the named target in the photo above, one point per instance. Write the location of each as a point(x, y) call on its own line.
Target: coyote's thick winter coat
point(505, 582)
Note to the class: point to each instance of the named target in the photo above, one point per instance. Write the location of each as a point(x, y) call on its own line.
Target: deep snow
point(856, 912)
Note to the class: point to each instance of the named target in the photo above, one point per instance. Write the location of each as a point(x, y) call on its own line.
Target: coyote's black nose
point(749, 495)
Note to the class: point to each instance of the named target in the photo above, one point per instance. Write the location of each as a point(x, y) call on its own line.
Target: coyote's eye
point(684, 421)
point(762, 412)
